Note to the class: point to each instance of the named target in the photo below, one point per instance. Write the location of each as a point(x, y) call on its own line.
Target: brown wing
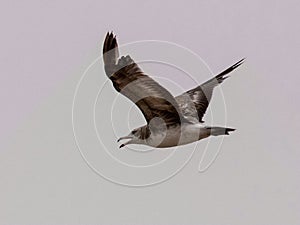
point(128, 79)
point(201, 95)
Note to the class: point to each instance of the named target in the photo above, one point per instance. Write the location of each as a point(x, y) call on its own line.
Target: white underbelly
point(176, 136)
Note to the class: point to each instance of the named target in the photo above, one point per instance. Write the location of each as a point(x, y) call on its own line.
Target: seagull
point(171, 121)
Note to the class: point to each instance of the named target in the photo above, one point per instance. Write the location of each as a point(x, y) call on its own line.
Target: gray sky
point(45, 48)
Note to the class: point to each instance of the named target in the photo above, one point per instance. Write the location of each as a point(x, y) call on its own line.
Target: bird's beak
point(123, 145)
point(125, 137)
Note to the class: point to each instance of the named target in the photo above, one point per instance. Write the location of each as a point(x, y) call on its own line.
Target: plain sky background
point(45, 47)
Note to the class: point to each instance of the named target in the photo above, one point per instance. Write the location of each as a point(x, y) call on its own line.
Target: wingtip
point(242, 61)
point(231, 68)
point(239, 63)
point(110, 52)
point(110, 34)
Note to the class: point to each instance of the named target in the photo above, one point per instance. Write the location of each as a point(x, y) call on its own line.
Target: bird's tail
point(110, 53)
point(216, 131)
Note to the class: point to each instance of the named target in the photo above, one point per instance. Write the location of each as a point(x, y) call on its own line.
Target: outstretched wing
point(194, 102)
point(128, 79)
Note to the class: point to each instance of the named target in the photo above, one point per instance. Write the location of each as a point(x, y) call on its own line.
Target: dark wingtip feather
point(228, 70)
point(110, 53)
point(110, 42)
point(238, 63)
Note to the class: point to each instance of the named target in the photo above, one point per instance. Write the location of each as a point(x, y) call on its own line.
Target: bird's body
point(182, 134)
point(177, 135)
point(171, 121)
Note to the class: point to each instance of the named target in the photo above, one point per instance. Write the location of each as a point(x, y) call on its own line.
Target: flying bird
point(171, 121)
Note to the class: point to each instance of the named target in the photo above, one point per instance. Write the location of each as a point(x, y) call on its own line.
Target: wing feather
point(194, 102)
point(128, 79)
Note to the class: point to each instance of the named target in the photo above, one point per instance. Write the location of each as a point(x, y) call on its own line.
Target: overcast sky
point(47, 46)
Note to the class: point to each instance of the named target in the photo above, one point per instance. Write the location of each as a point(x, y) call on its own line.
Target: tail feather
point(216, 131)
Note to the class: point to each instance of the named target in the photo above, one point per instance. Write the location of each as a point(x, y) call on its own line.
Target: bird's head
point(136, 136)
